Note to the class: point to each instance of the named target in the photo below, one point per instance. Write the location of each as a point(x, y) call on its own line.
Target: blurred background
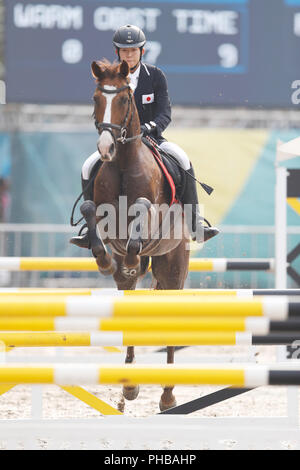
point(233, 70)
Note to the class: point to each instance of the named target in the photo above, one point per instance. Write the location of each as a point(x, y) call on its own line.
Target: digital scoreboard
point(213, 52)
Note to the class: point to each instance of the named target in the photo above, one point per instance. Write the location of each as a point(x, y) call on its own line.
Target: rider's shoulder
point(152, 70)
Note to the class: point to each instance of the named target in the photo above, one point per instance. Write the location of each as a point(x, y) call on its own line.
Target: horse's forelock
point(109, 69)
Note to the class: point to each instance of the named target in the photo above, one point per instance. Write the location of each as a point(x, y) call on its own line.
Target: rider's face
point(131, 55)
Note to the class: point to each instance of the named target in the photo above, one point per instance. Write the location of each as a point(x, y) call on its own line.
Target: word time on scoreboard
point(212, 52)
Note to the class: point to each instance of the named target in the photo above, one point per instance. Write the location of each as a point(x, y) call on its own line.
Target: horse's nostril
point(112, 148)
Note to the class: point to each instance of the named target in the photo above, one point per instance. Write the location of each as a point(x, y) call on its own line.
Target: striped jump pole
point(275, 308)
point(152, 338)
point(247, 293)
point(130, 375)
point(254, 325)
point(235, 264)
point(89, 264)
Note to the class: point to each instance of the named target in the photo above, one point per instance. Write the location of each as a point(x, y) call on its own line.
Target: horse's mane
point(109, 69)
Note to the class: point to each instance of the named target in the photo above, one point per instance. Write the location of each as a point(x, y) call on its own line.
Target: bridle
point(123, 128)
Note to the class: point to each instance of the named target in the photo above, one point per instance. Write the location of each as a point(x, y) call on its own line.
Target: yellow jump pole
point(130, 375)
point(277, 308)
point(187, 292)
point(89, 264)
point(116, 293)
point(165, 324)
point(133, 338)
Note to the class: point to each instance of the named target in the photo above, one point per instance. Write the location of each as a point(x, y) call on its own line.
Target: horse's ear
point(124, 68)
point(97, 72)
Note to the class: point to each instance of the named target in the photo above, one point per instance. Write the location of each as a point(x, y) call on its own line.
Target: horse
point(129, 171)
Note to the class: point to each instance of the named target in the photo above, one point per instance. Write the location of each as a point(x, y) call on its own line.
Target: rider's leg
point(90, 166)
point(190, 196)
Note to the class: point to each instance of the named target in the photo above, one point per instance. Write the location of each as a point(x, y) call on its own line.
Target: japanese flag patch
point(147, 99)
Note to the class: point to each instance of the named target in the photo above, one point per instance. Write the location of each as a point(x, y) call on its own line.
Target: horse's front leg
point(138, 232)
point(167, 399)
point(105, 262)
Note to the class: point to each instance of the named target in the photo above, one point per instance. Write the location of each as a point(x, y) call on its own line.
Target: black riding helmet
point(129, 36)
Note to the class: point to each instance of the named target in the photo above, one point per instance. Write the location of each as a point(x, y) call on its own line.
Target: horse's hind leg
point(105, 262)
point(167, 399)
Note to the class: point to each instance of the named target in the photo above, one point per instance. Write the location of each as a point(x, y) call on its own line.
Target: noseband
point(123, 128)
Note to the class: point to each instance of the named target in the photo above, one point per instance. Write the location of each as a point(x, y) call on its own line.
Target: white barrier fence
point(152, 432)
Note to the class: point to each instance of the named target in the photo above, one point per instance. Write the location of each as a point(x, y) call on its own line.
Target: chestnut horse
point(129, 169)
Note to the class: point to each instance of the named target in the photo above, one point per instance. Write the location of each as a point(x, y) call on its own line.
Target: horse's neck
point(129, 154)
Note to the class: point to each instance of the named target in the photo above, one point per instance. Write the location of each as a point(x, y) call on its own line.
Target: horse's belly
point(161, 247)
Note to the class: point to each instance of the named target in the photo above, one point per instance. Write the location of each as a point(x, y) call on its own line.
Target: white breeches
point(168, 147)
point(89, 164)
point(177, 152)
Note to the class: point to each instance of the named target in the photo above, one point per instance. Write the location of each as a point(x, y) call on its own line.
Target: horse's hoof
point(166, 406)
point(132, 261)
point(134, 247)
point(131, 393)
point(110, 270)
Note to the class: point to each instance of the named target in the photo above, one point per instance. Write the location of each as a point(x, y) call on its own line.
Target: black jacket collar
point(143, 76)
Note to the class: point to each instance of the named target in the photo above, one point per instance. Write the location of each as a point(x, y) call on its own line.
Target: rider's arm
point(162, 109)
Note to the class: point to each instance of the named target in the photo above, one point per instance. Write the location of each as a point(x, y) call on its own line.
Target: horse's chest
point(133, 183)
point(106, 190)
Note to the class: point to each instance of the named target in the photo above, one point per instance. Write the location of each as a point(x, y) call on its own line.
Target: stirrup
point(206, 232)
point(210, 232)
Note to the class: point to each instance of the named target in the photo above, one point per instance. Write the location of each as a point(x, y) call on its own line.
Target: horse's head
point(113, 106)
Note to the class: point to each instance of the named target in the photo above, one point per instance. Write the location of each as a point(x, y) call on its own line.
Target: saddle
point(174, 174)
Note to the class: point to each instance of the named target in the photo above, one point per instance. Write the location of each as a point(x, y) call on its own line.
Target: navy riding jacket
point(152, 99)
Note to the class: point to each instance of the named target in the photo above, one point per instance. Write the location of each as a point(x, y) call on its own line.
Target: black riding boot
point(82, 241)
point(194, 220)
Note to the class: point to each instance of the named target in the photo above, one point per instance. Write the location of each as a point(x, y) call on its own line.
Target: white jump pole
point(281, 228)
point(281, 265)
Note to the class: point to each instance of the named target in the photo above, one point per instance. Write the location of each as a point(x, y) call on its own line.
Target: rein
point(123, 128)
